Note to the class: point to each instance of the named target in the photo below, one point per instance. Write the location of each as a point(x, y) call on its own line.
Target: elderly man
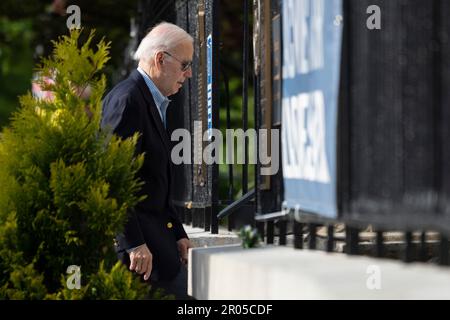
point(154, 243)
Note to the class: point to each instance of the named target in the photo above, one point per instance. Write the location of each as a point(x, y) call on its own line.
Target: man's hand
point(141, 261)
point(183, 245)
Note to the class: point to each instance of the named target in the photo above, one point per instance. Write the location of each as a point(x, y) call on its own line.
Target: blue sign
point(312, 36)
point(209, 83)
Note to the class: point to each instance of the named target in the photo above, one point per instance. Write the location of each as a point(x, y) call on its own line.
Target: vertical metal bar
point(380, 244)
point(266, 52)
point(198, 213)
point(270, 232)
point(182, 215)
point(195, 219)
point(231, 225)
point(437, 105)
point(199, 168)
point(443, 251)
point(330, 240)
point(214, 221)
point(347, 239)
point(245, 96)
point(188, 216)
point(408, 255)
point(352, 240)
point(193, 222)
point(312, 236)
point(298, 235)
point(230, 166)
point(260, 228)
point(201, 215)
point(207, 215)
point(282, 226)
point(423, 246)
point(215, 112)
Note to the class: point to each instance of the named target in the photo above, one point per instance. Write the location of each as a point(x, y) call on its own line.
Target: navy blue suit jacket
point(129, 108)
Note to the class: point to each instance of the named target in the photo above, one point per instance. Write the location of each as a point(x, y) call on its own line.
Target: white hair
point(163, 37)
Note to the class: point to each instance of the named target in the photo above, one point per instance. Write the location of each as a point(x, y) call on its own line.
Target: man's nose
point(188, 73)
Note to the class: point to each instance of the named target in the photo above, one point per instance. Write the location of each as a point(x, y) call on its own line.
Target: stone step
point(201, 238)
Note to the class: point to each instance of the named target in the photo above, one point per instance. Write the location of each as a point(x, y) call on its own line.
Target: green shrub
point(250, 237)
point(66, 186)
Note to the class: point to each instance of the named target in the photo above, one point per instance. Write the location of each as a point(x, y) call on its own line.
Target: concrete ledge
point(230, 272)
point(201, 238)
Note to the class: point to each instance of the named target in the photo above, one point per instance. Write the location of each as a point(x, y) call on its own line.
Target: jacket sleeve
point(178, 228)
point(180, 233)
point(132, 236)
point(125, 120)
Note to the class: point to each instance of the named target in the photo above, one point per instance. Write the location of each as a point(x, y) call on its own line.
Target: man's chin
point(174, 92)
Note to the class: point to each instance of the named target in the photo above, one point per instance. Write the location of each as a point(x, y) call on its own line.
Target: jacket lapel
point(152, 109)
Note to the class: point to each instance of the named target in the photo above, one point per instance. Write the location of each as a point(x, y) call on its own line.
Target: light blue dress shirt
point(161, 101)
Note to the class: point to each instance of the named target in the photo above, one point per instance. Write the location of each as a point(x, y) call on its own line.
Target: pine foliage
point(66, 185)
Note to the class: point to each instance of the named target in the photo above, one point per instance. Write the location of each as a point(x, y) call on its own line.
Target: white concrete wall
point(230, 272)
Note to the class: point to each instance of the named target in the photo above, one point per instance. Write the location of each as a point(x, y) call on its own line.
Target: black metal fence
point(393, 126)
point(394, 121)
point(393, 129)
point(202, 205)
point(394, 118)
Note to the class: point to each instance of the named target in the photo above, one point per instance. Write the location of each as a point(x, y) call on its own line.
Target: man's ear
point(159, 59)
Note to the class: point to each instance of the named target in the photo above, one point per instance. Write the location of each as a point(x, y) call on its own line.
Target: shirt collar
point(161, 101)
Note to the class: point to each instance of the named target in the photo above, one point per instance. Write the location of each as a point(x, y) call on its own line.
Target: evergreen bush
point(66, 186)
